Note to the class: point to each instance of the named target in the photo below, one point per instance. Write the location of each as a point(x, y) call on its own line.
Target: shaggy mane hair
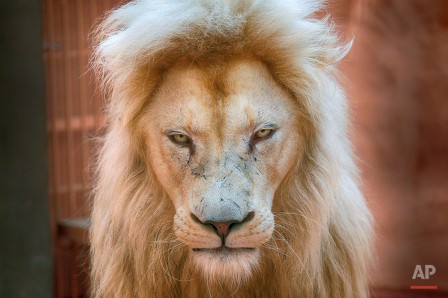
point(320, 246)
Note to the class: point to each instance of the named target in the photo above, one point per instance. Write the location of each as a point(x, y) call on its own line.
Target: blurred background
point(396, 78)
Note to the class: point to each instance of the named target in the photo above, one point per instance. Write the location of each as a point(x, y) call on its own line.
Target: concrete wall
point(25, 258)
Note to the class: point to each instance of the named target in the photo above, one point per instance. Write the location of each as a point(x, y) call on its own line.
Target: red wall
point(397, 81)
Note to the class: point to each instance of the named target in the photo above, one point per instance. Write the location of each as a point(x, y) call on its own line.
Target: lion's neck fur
point(165, 270)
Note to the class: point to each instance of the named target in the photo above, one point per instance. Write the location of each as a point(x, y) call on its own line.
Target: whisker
point(276, 214)
point(276, 249)
point(298, 258)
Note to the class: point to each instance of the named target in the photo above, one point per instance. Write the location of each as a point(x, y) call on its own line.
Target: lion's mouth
point(224, 250)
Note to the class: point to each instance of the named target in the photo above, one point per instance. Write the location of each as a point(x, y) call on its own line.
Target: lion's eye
point(180, 139)
point(263, 133)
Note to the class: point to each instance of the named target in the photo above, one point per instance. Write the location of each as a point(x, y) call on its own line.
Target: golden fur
point(319, 243)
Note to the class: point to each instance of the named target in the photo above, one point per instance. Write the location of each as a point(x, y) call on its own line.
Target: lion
point(226, 169)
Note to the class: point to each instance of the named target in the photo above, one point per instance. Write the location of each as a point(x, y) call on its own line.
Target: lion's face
point(220, 143)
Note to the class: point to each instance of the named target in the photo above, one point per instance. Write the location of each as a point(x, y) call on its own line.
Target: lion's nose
point(222, 229)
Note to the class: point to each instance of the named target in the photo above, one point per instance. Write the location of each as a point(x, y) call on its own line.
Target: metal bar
point(68, 77)
point(95, 13)
point(83, 94)
point(52, 102)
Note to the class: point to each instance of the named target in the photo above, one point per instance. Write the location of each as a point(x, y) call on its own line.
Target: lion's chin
point(230, 264)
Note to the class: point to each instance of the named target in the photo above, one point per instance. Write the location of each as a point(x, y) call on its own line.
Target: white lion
point(226, 169)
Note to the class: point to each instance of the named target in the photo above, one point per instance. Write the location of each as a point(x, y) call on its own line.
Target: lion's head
point(220, 141)
point(226, 167)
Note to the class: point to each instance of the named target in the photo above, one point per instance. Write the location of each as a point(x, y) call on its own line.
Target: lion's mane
point(320, 247)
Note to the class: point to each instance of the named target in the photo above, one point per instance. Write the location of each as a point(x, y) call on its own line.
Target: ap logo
point(419, 273)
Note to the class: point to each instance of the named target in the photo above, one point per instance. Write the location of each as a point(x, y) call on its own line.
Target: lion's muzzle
point(223, 228)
